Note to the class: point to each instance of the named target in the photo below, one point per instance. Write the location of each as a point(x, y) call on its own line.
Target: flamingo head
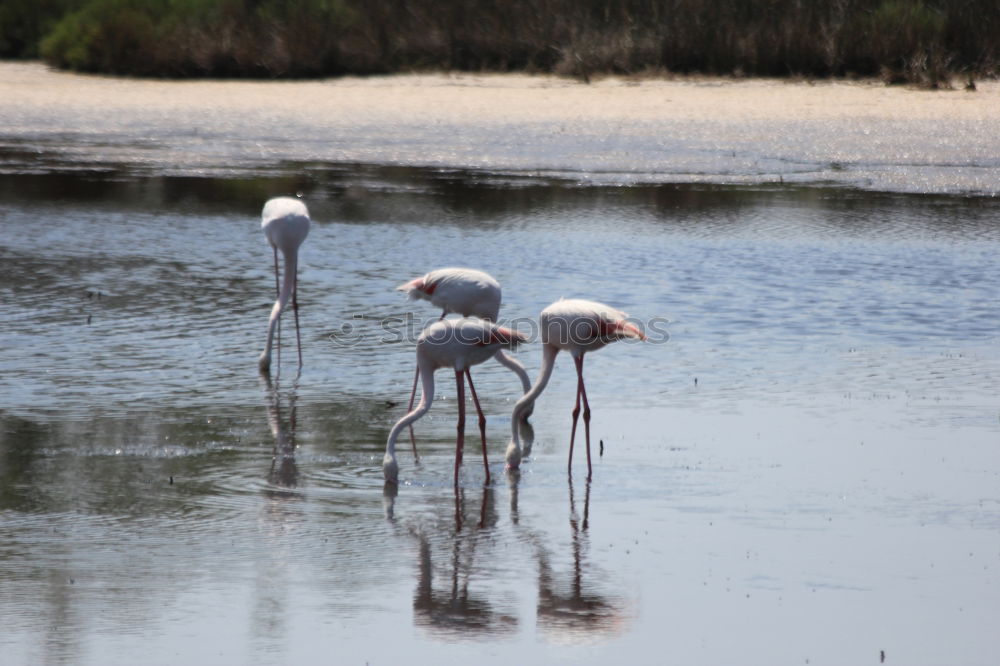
point(620, 328)
point(505, 337)
point(390, 468)
point(513, 455)
point(418, 288)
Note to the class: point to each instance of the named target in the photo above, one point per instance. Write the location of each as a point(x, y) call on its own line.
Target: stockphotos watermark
point(407, 328)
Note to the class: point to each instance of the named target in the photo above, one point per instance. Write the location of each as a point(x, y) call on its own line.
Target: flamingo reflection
point(457, 609)
point(269, 613)
point(570, 609)
point(284, 472)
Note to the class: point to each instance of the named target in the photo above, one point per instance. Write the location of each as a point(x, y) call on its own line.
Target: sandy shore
point(493, 98)
point(758, 130)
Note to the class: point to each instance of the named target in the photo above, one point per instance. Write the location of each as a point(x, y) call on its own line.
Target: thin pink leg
point(277, 291)
point(576, 409)
point(277, 351)
point(460, 442)
point(482, 423)
point(586, 412)
point(277, 282)
point(295, 308)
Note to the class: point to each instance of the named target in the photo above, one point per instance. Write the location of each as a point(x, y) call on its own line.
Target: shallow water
point(799, 466)
point(789, 290)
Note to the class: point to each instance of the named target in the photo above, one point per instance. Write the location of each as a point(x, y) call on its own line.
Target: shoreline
point(620, 130)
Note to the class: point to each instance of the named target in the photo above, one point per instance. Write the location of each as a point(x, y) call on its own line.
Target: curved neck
point(288, 279)
point(287, 287)
point(515, 365)
point(426, 398)
point(548, 362)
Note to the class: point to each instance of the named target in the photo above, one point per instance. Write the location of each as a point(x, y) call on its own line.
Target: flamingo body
point(458, 344)
point(465, 291)
point(285, 223)
point(577, 326)
point(470, 293)
point(462, 343)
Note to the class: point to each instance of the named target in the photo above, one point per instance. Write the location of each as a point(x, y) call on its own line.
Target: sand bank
point(861, 134)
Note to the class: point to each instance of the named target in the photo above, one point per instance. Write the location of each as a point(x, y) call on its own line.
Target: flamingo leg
point(277, 283)
point(586, 412)
point(482, 423)
point(295, 308)
point(460, 441)
point(576, 408)
point(277, 290)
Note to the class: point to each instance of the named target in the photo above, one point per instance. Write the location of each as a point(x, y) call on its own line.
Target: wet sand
point(861, 134)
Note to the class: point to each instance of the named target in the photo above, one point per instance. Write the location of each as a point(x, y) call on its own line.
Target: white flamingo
point(467, 292)
point(285, 222)
point(458, 344)
point(577, 326)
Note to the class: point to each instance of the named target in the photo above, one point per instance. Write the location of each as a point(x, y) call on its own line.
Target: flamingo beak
point(622, 329)
point(631, 331)
point(415, 284)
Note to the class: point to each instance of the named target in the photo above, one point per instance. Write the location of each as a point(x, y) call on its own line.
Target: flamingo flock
point(576, 326)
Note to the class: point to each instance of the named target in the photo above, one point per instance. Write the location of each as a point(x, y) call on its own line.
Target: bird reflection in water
point(457, 597)
point(566, 608)
point(270, 608)
point(455, 610)
point(284, 473)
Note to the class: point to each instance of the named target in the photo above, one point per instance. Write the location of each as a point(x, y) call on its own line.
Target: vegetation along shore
point(927, 42)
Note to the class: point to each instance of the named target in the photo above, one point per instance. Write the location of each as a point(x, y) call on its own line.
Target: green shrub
point(116, 36)
point(907, 40)
point(23, 23)
point(199, 37)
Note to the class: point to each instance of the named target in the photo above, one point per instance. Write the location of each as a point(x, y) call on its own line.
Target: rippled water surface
point(800, 466)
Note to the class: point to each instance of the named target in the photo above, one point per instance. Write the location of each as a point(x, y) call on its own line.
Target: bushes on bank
point(198, 37)
point(909, 40)
point(23, 23)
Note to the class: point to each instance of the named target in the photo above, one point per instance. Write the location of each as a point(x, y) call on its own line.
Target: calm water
point(800, 466)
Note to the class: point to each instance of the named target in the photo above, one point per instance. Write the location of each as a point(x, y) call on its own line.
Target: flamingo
point(285, 222)
point(470, 293)
point(577, 326)
point(458, 344)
